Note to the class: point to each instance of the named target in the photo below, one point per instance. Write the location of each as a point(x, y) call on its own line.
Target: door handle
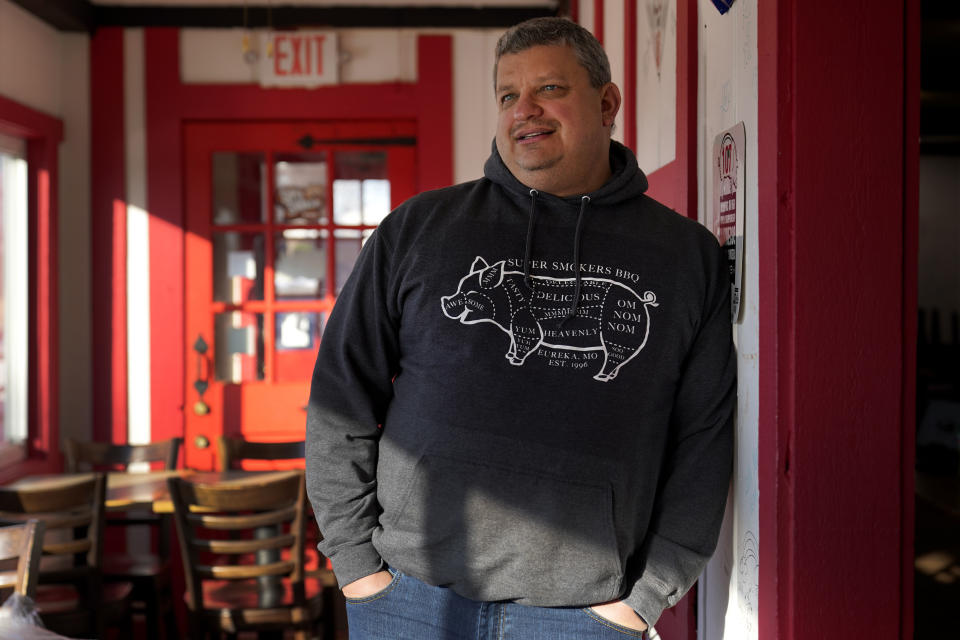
point(202, 381)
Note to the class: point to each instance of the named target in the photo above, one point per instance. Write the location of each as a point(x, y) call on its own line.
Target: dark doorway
point(937, 542)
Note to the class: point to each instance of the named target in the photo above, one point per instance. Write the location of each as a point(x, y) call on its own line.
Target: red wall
point(108, 214)
point(838, 215)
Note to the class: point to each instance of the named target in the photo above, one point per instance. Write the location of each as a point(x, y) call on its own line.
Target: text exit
point(299, 58)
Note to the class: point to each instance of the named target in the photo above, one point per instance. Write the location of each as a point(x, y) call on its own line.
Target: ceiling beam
point(81, 15)
point(285, 17)
point(63, 15)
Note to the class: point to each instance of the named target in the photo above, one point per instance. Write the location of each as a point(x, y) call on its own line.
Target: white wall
point(76, 287)
point(613, 43)
point(656, 108)
point(30, 61)
point(728, 94)
point(49, 72)
point(939, 268)
point(474, 105)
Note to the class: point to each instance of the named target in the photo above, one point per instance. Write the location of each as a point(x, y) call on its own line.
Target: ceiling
point(84, 15)
point(939, 56)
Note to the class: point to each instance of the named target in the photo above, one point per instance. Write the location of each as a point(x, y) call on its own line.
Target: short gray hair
point(554, 31)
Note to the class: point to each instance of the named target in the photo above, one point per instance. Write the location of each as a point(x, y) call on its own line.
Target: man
point(520, 417)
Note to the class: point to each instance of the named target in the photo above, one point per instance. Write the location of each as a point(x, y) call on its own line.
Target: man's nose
point(526, 107)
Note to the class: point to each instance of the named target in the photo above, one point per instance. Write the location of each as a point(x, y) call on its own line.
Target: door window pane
point(361, 190)
point(376, 201)
point(298, 337)
point(298, 330)
point(301, 264)
point(301, 188)
point(347, 202)
point(238, 346)
point(238, 188)
point(237, 267)
point(348, 242)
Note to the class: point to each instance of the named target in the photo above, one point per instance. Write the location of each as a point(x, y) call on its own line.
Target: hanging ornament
point(249, 53)
point(269, 28)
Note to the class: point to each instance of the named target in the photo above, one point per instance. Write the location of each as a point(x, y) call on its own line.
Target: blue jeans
point(408, 609)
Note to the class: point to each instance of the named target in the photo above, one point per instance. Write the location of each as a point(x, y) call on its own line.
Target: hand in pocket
point(621, 614)
point(368, 585)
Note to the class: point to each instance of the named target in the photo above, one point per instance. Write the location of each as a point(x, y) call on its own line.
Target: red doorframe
point(838, 219)
point(108, 222)
point(169, 104)
point(43, 134)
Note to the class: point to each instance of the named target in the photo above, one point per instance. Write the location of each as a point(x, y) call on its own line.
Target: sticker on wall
point(727, 205)
point(723, 5)
point(657, 19)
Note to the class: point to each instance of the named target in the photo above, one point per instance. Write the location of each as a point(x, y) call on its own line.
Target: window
point(14, 318)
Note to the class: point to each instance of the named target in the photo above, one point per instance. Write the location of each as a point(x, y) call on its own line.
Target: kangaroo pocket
point(494, 532)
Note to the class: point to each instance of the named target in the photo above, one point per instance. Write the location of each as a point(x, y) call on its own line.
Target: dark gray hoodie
point(524, 397)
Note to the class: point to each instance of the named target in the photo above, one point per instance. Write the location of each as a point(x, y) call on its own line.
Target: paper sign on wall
point(298, 58)
point(727, 205)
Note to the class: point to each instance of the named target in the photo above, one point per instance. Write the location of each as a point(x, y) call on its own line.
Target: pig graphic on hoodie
point(608, 317)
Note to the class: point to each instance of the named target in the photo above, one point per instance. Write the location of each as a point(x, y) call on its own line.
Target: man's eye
point(550, 87)
point(506, 98)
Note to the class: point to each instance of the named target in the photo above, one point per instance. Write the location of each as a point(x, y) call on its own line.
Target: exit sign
point(298, 58)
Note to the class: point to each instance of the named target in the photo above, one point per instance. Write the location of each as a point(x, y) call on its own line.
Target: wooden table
point(126, 489)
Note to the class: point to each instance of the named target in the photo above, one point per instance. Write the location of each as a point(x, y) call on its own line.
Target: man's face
point(553, 128)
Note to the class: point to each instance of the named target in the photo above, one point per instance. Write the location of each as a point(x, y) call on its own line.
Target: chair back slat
point(243, 495)
point(228, 523)
point(104, 456)
point(245, 572)
point(239, 547)
point(70, 493)
point(232, 451)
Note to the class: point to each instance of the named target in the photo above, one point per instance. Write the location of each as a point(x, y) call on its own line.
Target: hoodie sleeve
point(349, 394)
point(696, 473)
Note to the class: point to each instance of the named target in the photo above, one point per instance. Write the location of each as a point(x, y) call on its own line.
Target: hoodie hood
point(626, 182)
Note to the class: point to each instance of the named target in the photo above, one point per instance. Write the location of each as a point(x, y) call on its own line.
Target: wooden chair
point(71, 597)
point(20, 548)
point(149, 572)
point(242, 548)
point(232, 452)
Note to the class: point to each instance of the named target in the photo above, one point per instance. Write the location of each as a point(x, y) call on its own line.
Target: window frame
point(40, 453)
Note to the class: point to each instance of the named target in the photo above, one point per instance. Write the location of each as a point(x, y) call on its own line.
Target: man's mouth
point(532, 136)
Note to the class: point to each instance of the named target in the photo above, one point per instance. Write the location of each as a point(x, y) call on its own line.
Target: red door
point(276, 214)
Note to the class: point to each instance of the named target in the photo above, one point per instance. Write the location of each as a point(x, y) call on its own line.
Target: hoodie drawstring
point(576, 260)
point(526, 254)
point(578, 280)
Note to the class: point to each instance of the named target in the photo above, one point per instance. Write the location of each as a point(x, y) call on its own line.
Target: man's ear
point(609, 103)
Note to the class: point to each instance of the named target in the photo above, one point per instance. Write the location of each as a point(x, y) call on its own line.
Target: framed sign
point(298, 58)
point(727, 205)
